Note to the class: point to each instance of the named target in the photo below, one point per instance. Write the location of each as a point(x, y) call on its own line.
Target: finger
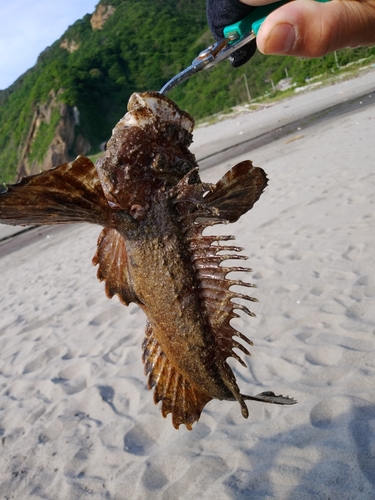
point(310, 29)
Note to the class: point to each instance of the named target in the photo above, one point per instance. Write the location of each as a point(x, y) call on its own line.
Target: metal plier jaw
point(209, 57)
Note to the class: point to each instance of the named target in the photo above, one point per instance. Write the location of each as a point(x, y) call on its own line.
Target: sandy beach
point(76, 418)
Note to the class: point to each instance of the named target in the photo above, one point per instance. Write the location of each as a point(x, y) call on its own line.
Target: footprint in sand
point(366, 284)
point(33, 325)
point(292, 287)
point(36, 414)
point(138, 441)
point(106, 316)
point(71, 386)
point(51, 432)
point(319, 290)
point(356, 294)
point(91, 301)
point(369, 291)
point(74, 370)
point(328, 355)
point(284, 256)
point(43, 358)
point(354, 252)
point(71, 354)
point(205, 472)
point(356, 310)
point(324, 413)
point(153, 478)
point(366, 280)
point(73, 378)
point(75, 467)
point(267, 274)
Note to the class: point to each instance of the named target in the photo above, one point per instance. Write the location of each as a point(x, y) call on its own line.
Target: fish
point(146, 192)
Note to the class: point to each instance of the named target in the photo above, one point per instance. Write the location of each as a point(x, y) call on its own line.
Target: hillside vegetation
point(139, 46)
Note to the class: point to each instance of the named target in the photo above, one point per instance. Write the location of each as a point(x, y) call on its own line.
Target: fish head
point(147, 153)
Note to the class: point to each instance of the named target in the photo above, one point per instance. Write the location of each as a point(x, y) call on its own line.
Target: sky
point(29, 26)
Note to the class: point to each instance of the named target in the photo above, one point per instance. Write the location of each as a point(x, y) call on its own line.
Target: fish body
point(146, 192)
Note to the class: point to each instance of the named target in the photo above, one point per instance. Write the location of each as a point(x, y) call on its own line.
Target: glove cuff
point(241, 8)
point(222, 13)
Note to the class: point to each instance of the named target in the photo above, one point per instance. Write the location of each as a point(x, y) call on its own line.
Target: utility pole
point(247, 89)
point(336, 60)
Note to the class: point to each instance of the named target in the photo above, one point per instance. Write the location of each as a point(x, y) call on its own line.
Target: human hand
point(310, 29)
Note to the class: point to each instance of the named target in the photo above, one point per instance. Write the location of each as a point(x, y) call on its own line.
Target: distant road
point(246, 131)
point(246, 127)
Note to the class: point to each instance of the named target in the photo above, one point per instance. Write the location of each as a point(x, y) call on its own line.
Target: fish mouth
point(151, 107)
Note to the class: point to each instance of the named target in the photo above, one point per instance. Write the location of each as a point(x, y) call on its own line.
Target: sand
point(76, 418)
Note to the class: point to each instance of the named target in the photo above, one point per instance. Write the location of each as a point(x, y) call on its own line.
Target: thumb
point(310, 29)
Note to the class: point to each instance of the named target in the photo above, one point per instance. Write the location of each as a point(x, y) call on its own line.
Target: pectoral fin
point(178, 396)
point(237, 191)
point(70, 192)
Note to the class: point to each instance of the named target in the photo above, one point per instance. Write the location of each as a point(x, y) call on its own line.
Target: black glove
point(222, 13)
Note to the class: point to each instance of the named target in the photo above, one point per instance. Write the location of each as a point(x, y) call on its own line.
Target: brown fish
point(146, 192)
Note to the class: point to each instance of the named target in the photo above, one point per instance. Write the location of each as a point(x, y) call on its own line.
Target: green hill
point(80, 86)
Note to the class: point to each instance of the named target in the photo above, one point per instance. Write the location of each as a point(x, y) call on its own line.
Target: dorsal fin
point(178, 396)
point(70, 192)
point(227, 200)
point(216, 296)
point(237, 191)
point(112, 258)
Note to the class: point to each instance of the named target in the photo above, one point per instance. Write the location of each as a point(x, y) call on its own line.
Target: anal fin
point(112, 258)
point(177, 395)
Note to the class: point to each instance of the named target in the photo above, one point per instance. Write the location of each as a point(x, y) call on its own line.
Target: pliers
point(235, 36)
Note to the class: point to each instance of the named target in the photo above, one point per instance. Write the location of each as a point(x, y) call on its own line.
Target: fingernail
point(281, 39)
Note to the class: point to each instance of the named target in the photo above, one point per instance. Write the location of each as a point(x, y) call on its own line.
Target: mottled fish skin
point(146, 192)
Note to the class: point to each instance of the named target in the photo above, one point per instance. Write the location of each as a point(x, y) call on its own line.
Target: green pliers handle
point(253, 21)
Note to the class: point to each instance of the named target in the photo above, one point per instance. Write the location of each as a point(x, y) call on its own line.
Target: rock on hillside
point(61, 119)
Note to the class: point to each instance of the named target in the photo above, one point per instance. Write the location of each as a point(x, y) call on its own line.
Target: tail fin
point(270, 397)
